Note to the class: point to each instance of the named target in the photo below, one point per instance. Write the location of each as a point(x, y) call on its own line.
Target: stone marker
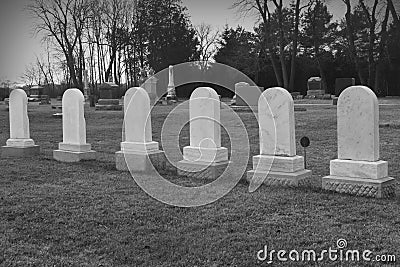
point(358, 170)
point(278, 161)
point(20, 144)
point(314, 86)
point(343, 83)
point(204, 158)
point(108, 97)
point(171, 95)
point(247, 95)
point(150, 85)
point(74, 147)
point(139, 153)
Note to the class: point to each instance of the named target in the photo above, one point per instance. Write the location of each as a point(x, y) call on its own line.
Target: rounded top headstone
point(358, 124)
point(276, 122)
point(17, 93)
point(74, 92)
point(207, 92)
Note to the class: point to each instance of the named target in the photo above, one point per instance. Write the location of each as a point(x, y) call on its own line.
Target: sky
point(19, 47)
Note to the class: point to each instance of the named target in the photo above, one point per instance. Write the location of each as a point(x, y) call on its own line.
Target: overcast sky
point(18, 46)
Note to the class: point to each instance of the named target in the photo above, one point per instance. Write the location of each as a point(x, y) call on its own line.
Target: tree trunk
point(350, 36)
point(282, 50)
point(294, 49)
point(381, 50)
point(394, 14)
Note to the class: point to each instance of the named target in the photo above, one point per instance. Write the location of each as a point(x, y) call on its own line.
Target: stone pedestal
point(139, 157)
point(360, 178)
point(108, 104)
point(277, 170)
point(315, 93)
point(73, 153)
point(201, 170)
point(203, 163)
point(19, 152)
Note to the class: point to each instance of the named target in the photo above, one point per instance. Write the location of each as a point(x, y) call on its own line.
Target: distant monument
point(314, 86)
point(108, 97)
point(171, 95)
point(150, 85)
point(247, 95)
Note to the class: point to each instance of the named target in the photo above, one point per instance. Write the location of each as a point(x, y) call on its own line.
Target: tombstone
point(343, 83)
point(150, 85)
point(204, 158)
point(20, 144)
point(171, 94)
point(278, 163)
point(314, 86)
point(108, 97)
point(44, 100)
point(139, 153)
point(247, 95)
point(74, 147)
point(358, 169)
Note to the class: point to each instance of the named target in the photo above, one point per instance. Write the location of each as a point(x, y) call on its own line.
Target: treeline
point(295, 42)
point(113, 39)
point(122, 40)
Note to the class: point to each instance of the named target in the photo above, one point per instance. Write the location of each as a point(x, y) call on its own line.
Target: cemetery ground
point(90, 214)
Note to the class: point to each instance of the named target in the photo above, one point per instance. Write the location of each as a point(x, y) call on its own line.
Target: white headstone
point(205, 151)
point(19, 122)
point(137, 116)
point(358, 124)
point(74, 124)
point(205, 130)
point(138, 149)
point(276, 112)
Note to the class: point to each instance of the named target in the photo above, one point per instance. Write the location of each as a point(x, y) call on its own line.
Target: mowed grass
point(90, 214)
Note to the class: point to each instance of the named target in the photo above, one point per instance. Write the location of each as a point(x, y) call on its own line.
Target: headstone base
point(210, 155)
point(73, 156)
point(201, 170)
point(140, 162)
point(108, 104)
point(376, 188)
point(19, 152)
point(290, 179)
point(360, 178)
point(279, 170)
point(315, 93)
point(359, 169)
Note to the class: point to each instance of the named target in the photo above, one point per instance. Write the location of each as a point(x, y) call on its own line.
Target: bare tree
point(64, 21)
point(32, 75)
point(207, 40)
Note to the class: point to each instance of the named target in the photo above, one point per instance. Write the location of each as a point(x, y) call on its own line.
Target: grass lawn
point(90, 214)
